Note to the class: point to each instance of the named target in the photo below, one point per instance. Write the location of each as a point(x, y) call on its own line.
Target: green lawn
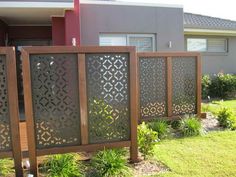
point(215, 106)
point(211, 155)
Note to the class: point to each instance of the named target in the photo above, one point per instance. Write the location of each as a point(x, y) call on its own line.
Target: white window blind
point(217, 45)
point(112, 40)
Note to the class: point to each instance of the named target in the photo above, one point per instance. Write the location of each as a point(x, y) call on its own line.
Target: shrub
point(62, 165)
point(175, 124)
point(223, 86)
point(6, 167)
point(146, 139)
point(227, 118)
point(161, 127)
point(206, 82)
point(191, 126)
point(111, 163)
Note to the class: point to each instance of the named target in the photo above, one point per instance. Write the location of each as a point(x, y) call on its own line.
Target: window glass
point(112, 40)
point(194, 44)
point(143, 44)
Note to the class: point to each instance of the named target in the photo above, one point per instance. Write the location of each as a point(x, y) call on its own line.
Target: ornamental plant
point(146, 139)
point(111, 163)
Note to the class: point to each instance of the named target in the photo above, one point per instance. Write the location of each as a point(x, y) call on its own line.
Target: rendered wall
point(165, 23)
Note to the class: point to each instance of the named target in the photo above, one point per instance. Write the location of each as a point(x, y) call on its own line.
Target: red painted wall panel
point(58, 30)
point(72, 24)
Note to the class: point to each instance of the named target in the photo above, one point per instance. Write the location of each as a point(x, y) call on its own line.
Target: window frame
point(143, 35)
point(128, 35)
point(226, 46)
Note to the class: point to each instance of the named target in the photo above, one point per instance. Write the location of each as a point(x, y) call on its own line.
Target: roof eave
point(47, 5)
point(215, 32)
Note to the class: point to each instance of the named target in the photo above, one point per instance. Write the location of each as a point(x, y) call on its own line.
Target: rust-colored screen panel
point(108, 97)
point(54, 79)
point(5, 134)
point(153, 91)
point(184, 85)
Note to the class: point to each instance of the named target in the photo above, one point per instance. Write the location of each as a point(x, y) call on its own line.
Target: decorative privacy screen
point(5, 133)
point(170, 84)
point(80, 99)
point(153, 90)
point(54, 80)
point(9, 118)
point(184, 85)
point(108, 97)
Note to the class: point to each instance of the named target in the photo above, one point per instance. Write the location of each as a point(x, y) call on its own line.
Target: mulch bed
point(210, 123)
point(148, 167)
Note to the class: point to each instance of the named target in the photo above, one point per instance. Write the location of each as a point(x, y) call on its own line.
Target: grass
point(212, 155)
point(215, 106)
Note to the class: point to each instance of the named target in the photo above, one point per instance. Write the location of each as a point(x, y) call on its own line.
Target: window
point(112, 40)
point(207, 44)
point(196, 44)
point(143, 42)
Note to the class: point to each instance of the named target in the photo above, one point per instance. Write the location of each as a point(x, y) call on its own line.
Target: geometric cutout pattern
point(54, 79)
point(108, 97)
point(184, 85)
point(153, 87)
point(5, 135)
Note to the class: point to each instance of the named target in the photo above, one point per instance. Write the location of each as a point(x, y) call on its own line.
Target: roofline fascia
point(121, 3)
point(46, 5)
point(198, 31)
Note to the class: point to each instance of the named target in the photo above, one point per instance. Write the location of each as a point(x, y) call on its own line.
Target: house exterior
point(215, 38)
point(150, 27)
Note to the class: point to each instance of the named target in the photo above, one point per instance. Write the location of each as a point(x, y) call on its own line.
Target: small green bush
point(175, 124)
point(191, 126)
point(219, 86)
point(62, 165)
point(223, 86)
point(111, 163)
point(6, 167)
point(226, 118)
point(146, 139)
point(206, 82)
point(161, 127)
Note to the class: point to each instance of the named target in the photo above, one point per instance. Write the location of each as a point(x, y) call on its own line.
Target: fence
point(80, 99)
point(170, 85)
point(88, 98)
point(9, 119)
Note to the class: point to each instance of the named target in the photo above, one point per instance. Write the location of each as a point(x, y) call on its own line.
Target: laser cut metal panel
point(184, 85)
point(5, 134)
point(153, 87)
point(54, 80)
point(108, 97)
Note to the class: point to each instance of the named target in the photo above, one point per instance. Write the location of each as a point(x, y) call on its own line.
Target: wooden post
point(199, 84)
point(83, 98)
point(13, 110)
point(134, 105)
point(169, 86)
point(29, 113)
